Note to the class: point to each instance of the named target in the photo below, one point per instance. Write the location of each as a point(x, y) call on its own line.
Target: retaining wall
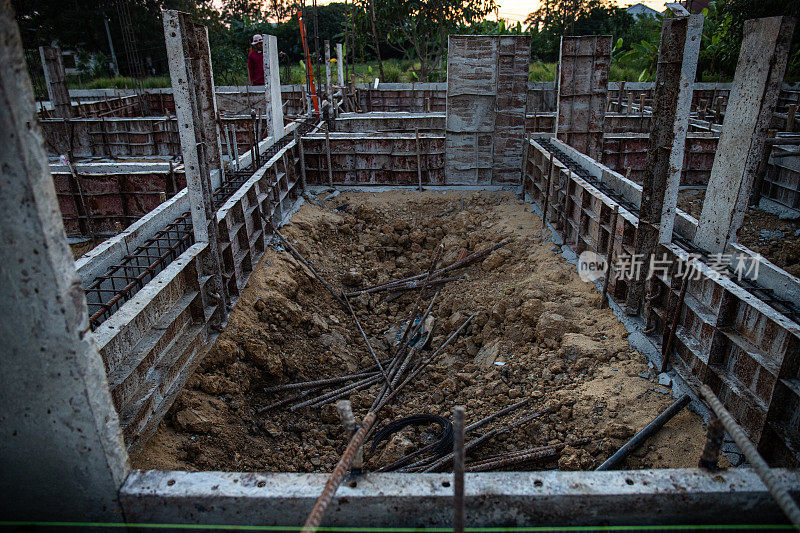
point(733, 337)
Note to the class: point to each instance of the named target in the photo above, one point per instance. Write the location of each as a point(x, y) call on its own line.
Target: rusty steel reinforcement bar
point(318, 382)
point(338, 393)
point(458, 470)
point(523, 456)
point(290, 399)
point(483, 438)
point(475, 425)
point(293, 251)
point(337, 476)
point(638, 439)
point(767, 475)
point(414, 373)
point(366, 340)
point(458, 264)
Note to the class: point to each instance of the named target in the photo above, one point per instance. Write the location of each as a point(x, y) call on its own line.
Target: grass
point(120, 82)
point(395, 70)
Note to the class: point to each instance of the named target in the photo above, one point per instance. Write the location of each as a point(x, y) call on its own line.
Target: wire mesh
point(107, 293)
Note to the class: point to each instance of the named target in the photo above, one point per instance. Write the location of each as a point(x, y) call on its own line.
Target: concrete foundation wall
point(153, 342)
point(492, 499)
point(728, 337)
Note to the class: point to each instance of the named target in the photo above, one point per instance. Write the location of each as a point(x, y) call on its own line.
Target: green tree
point(418, 29)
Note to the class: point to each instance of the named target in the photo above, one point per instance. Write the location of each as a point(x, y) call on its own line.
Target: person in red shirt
point(255, 61)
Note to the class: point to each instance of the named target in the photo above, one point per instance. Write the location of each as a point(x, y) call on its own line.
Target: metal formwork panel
point(582, 92)
point(487, 87)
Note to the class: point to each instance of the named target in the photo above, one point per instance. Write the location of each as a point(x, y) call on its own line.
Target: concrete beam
point(753, 98)
point(552, 498)
point(61, 450)
point(272, 88)
point(677, 66)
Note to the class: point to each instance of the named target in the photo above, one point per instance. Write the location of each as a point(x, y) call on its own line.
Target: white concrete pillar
point(677, 66)
point(752, 101)
point(61, 451)
point(328, 92)
point(272, 87)
point(190, 71)
point(340, 66)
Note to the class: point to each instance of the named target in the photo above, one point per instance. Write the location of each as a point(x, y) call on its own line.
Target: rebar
point(337, 476)
point(767, 475)
point(638, 439)
point(458, 469)
point(366, 340)
point(297, 255)
point(439, 463)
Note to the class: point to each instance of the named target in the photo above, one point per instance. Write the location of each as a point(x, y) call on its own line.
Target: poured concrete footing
point(684, 496)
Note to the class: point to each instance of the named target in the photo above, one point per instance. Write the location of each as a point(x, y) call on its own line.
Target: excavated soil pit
point(538, 334)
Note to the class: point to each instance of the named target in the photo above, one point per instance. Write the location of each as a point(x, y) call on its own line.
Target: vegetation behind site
point(410, 36)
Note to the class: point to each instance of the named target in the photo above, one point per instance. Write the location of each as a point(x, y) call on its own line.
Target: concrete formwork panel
point(582, 92)
point(487, 82)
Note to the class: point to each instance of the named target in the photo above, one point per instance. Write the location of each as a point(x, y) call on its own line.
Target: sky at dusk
point(517, 10)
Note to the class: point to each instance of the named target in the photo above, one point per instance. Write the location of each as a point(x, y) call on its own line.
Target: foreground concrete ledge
point(669, 496)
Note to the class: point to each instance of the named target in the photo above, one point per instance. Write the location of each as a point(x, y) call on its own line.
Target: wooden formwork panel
point(390, 122)
point(375, 160)
point(394, 100)
point(130, 137)
point(782, 181)
point(582, 92)
point(112, 200)
point(726, 337)
point(487, 87)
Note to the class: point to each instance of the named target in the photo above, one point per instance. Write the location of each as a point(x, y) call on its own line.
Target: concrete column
point(61, 451)
point(56, 80)
point(328, 92)
point(272, 87)
point(195, 107)
point(677, 66)
point(340, 66)
point(752, 101)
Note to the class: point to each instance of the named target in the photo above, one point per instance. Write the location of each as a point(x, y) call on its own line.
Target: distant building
point(640, 10)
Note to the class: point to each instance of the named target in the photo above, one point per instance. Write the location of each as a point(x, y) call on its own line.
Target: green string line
point(712, 527)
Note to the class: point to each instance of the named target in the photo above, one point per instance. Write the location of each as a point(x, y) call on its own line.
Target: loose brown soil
point(776, 239)
point(538, 334)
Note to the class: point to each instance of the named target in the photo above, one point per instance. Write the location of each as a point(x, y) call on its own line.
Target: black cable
point(443, 446)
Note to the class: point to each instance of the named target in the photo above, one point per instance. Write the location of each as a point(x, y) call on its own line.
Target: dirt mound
point(537, 334)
